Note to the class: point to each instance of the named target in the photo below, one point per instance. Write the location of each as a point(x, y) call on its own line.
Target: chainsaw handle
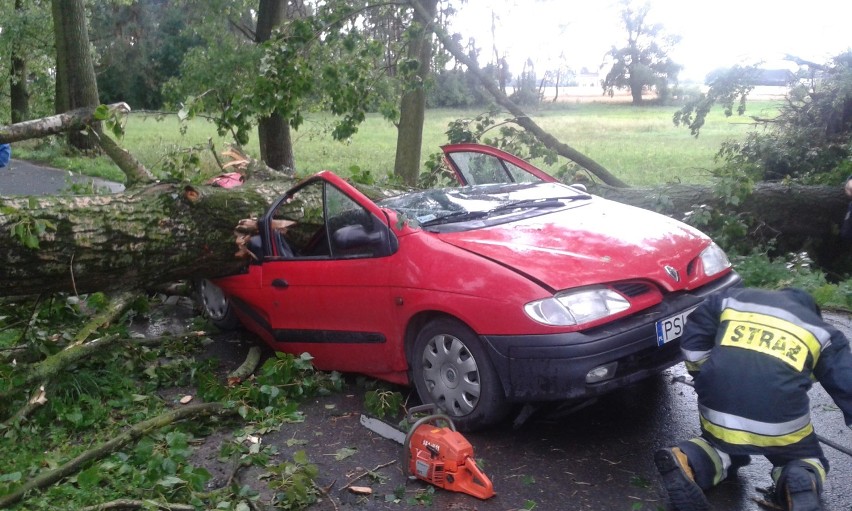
point(422, 421)
point(406, 444)
point(432, 411)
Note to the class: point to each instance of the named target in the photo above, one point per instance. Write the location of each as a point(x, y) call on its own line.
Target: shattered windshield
point(451, 205)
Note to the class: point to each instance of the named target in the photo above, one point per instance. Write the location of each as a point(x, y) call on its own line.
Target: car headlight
point(577, 307)
point(714, 260)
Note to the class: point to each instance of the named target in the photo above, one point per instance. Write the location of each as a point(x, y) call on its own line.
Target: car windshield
point(452, 205)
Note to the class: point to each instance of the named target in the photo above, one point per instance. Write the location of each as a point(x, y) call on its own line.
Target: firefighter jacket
point(754, 355)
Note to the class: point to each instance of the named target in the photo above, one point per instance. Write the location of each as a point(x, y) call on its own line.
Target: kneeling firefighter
point(753, 355)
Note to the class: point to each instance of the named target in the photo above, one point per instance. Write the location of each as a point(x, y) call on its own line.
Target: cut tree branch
point(79, 119)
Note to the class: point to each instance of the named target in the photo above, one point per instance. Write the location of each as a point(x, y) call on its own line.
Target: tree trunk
point(18, 91)
point(162, 233)
point(101, 243)
point(636, 93)
point(76, 85)
point(521, 118)
point(273, 132)
point(412, 111)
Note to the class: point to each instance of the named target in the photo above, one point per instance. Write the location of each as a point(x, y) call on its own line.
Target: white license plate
point(671, 328)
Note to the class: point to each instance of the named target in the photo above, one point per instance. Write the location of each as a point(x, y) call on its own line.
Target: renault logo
point(672, 273)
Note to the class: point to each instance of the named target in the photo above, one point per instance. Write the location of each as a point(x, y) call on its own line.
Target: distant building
point(774, 77)
point(588, 79)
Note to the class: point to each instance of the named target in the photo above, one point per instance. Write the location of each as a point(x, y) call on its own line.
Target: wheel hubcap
point(451, 374)
point(214, 300)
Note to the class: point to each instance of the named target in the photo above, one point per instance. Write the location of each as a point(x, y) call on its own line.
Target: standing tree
point(320, 60)
point(412, 112)
point(26, 46)
point(273, 130)
point(644, 62)
point(76, 86)
point(20, 101)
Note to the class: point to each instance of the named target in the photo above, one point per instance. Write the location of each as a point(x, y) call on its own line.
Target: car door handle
point(280, 283)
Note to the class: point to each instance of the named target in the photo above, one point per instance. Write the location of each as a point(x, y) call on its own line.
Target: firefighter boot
point(798, 488)
point(679, 480)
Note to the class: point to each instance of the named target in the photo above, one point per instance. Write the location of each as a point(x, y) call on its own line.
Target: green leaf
point(170, 481)
point(11, 477)
point(300, 457)
point(344, 453)
point(89, 478)
point(101, 113)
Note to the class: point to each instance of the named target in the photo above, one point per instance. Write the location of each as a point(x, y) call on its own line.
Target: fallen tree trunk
point(163, 234)
point(159, 234)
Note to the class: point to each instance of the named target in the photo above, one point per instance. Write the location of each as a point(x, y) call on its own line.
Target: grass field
point(640, 145)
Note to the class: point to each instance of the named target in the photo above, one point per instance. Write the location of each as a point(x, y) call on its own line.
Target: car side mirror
point(579, 186)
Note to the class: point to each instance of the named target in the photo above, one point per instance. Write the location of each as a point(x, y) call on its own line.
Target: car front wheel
point(451, 369)
point(215, 305)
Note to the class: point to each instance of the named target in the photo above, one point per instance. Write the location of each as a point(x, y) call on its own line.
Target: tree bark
point(521, 118)
point(412, 111)
point(273, 132)
point(127, 241)
point(18, 91)
point(76, 85)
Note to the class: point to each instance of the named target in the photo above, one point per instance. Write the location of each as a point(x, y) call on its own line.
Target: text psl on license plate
point(671, 328)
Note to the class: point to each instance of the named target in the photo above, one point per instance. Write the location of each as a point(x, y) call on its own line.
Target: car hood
point(590, 243)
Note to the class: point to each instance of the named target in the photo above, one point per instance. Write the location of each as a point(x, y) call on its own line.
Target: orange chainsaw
point(439, 455)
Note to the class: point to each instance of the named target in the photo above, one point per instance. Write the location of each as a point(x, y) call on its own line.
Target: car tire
point(449, 367)
point(215, 305)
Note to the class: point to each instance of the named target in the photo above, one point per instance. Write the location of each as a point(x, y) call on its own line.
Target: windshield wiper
point(546, 202)
point(458, 216)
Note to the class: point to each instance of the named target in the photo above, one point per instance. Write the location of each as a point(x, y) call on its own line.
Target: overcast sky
point(716, 33)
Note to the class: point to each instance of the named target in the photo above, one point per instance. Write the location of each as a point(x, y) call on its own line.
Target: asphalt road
point(24, 178)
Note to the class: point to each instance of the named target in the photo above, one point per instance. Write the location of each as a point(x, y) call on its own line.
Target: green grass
point(640, 145)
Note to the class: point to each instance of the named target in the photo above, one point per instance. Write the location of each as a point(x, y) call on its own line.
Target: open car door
point(477, 164)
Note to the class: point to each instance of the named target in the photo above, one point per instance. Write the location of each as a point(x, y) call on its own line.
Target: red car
point(524, 290)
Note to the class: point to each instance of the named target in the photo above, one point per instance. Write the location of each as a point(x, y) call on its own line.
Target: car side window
point(320, 221)
point(479, 168)
point(352, 228)
point(297, 225)
point(520, 175)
